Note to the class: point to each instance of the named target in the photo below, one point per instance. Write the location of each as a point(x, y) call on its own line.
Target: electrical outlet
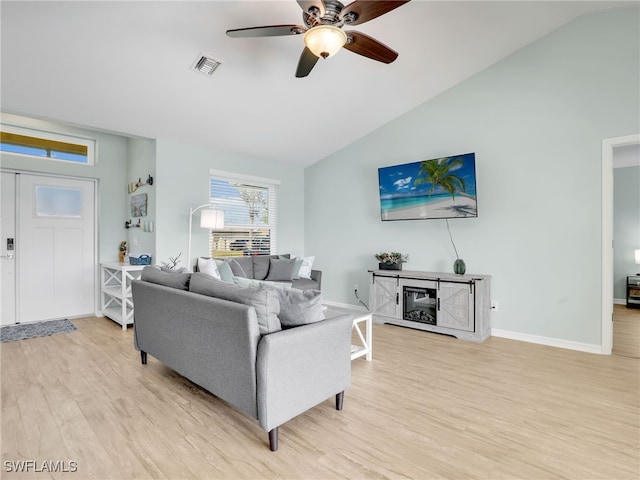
point(494, 305)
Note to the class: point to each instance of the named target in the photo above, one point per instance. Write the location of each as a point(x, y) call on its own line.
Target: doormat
point(11, 333)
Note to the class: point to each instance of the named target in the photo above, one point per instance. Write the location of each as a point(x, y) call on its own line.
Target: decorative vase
point(390, 266)
point(121, 256)
point(459, 267)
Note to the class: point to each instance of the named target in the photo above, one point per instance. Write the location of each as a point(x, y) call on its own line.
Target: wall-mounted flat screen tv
point(437, 188)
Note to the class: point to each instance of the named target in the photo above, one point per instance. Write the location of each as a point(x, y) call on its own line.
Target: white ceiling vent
point(205, 65)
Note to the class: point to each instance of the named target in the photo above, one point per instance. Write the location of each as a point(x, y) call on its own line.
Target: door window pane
point(58, 202)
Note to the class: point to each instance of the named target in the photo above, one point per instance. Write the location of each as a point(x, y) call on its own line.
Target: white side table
point(365, 347)
point(117, 299)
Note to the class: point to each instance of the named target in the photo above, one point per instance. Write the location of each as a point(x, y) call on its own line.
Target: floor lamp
point(209, 219)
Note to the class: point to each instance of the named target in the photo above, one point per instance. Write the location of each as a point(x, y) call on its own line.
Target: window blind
point(250, 216)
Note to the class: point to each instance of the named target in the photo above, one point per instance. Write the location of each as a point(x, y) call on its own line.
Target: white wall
point(535, 121)
point(141, 164)
point(183, 181)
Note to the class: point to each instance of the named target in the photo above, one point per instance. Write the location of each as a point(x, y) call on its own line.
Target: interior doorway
point(608, 145)
point(48, 247)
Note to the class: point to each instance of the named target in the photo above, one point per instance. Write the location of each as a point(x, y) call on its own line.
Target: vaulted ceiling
point(124, 67)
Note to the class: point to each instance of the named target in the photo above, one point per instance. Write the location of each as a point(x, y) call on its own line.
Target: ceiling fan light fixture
point(325, 40)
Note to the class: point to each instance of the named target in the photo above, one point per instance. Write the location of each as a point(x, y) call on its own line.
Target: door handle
point(10, 256)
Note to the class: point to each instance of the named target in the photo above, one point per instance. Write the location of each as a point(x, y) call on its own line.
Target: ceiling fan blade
point(306, 63)
point(268, 31)
point(365, 10)
point(308, 5)
point(369, 47)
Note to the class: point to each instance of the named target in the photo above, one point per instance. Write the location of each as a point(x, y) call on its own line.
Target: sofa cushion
point(280, 270)
point(167, 278)
point(263, 299)
point(261, 266)
point(305, 284)
point(247, 265)
point(299, 307)
point(236, 268)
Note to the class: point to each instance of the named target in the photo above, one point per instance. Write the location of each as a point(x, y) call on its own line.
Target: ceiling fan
point(323, 30)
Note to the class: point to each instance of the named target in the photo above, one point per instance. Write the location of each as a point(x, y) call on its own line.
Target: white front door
point(55, 248)
point(7, 257)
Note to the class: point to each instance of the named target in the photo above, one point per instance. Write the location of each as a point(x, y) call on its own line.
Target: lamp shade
point(325, 40)
point(638, 256)
point(212, 219)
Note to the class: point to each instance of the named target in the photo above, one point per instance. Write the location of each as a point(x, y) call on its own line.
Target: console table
point(456, 305)
point(633, 291)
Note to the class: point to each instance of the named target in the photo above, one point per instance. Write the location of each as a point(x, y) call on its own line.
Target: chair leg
point(143, 357)
point(273, 439)
point(339, 400)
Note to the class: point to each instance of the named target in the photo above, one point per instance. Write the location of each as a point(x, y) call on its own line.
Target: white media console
point(457, 305)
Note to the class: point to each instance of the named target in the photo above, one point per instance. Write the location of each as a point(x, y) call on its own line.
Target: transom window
point(250, 214)
point(53, 146)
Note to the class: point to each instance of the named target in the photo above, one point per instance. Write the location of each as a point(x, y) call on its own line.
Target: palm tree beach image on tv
point(437, 188)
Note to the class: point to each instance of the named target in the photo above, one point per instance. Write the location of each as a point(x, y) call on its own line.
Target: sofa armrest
point(317, 276)
point(301, 367)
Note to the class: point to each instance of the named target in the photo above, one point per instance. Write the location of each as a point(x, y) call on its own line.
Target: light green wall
point(141, 164)
point(535, 121)
point(183, 182)
point(626, 226)
point(110, 170)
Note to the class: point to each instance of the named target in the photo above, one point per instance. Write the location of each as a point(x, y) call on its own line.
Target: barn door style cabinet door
point(384, 300)
point(456, 305)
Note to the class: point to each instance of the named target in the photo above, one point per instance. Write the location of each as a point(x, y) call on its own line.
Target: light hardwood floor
point(626, 331)
point(427, 406)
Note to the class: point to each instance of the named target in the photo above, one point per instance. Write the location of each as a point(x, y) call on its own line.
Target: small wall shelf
point(132, 187)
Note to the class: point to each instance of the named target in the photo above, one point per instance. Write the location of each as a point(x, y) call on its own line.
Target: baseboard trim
point(496, 332)
point(548, 341)
point(620, 301)
point(344, 305)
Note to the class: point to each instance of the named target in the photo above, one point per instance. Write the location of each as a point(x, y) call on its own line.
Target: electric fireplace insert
point(420, 305)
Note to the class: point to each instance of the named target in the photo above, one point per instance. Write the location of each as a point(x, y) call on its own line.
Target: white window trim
point(59, 137)
point(258, 182)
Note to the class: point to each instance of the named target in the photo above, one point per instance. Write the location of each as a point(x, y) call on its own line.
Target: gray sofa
point(221, 345)
point(257, 267)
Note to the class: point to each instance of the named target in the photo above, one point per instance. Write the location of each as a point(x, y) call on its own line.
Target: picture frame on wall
point(139, 205)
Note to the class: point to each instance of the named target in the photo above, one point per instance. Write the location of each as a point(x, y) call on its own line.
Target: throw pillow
point(171, 279)
point(236, 268)
point(261, 266)
point(208, 266)
point(280, 270)
point(299, 307)
point(226, 274)
point(263, 300)
point(296, 267)
point(305, 268)
point(249, 282)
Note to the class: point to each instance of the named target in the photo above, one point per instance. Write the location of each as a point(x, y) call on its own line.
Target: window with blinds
point(250, 215)
point(53, 146)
